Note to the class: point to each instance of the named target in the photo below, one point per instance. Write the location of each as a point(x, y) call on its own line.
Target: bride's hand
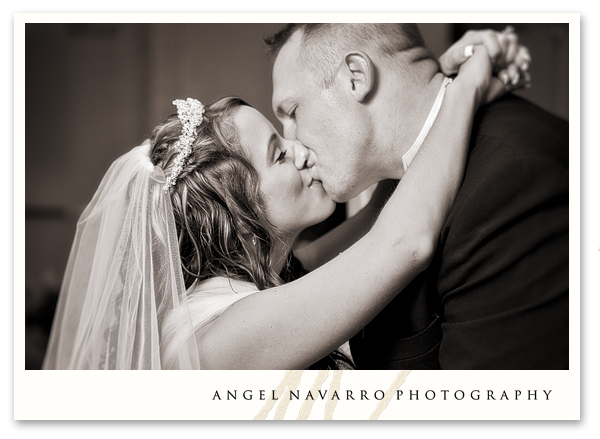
point(509, 60)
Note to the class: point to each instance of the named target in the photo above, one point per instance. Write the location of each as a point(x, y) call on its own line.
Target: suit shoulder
point(518, 159)
point(513, 128)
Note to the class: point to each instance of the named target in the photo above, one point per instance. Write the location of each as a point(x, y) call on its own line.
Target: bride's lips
point(315, 178)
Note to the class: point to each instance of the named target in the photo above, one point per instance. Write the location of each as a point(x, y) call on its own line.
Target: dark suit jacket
point(496, 294)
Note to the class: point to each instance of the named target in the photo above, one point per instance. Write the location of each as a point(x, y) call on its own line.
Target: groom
point(496, 294)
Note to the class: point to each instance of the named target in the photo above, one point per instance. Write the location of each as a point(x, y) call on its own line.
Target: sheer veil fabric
point(123, 280)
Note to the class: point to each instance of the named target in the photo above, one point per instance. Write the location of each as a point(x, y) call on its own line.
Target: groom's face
point(323, 120)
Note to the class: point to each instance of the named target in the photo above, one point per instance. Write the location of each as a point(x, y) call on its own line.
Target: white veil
point(123, 278)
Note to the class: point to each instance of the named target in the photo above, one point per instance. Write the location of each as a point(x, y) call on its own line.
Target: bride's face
point(293, 201)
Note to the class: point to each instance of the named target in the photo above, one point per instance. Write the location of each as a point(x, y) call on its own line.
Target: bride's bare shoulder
point(217, 286)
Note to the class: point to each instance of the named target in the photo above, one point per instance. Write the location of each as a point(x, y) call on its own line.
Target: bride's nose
point(300, 155)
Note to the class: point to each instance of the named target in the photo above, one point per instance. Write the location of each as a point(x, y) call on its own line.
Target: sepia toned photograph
point(296, 197)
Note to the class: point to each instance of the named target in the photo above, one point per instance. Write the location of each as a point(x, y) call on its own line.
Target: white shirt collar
point(409, 155)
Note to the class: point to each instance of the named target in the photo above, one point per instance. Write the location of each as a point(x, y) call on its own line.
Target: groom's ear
point(357, 72)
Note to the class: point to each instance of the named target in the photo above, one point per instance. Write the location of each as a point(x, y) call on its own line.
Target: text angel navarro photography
point(378, 395)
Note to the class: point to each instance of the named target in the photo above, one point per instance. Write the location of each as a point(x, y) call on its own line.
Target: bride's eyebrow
point(271, 145)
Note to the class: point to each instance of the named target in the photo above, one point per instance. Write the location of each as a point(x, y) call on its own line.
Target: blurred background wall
point(93, 91)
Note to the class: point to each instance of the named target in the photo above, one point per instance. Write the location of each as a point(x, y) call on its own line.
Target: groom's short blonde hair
point(323, 45)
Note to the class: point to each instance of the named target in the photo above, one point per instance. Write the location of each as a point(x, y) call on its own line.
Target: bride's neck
point(280, 253)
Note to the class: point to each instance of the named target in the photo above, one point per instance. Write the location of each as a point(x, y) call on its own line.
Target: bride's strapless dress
point(207, 300)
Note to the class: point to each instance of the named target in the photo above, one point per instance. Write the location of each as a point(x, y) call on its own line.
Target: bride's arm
point(293, 325)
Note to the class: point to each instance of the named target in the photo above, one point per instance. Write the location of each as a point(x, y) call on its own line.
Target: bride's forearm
point(293, 325)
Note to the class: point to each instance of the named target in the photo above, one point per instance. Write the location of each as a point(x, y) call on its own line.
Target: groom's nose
point(289, 130)
point(300, 155)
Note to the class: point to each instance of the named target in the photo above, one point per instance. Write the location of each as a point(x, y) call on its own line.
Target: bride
point(182, 258)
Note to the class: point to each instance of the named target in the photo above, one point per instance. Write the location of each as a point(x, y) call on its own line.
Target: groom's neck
point(409, 112)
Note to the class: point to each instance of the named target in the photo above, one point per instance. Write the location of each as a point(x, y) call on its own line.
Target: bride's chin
point(324, 213)
point(329, 210)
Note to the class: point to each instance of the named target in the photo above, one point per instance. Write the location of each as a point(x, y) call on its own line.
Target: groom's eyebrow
point(279, 110)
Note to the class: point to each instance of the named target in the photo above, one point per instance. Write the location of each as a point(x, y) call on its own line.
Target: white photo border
point(86, 395)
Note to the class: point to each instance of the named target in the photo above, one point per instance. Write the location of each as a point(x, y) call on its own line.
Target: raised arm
point(293, 325)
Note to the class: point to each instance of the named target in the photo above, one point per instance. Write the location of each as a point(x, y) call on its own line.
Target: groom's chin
point(338, 196)
point(340, 190)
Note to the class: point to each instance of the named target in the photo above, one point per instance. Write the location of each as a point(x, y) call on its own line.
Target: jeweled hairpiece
point(190, 114)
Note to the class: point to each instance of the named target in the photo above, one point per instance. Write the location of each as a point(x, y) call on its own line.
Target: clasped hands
point(508, 59)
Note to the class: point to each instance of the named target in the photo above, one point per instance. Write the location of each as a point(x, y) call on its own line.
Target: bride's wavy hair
point(219, 213)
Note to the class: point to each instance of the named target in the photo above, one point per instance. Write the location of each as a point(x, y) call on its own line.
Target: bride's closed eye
point(281, 156)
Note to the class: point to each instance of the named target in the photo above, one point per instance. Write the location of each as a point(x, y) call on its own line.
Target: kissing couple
point(185, 256)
